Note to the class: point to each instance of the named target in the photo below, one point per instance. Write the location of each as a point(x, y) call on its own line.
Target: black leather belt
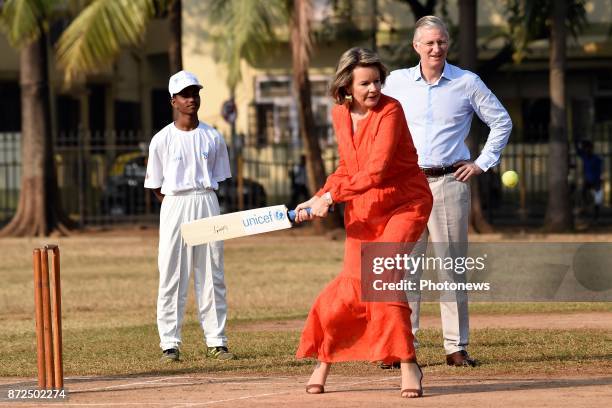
point(438, 171)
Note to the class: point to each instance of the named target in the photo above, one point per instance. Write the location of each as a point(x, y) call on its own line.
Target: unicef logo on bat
point(264, 219)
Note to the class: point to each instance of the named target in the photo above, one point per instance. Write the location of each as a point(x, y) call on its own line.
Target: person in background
point(299, 187)
point(591, 176)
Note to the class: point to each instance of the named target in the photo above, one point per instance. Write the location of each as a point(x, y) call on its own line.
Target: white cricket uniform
point(188, 167)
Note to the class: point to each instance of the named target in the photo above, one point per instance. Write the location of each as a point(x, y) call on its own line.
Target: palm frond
point(23, 20)
point(242, 29)
point(96, 36)
point(529, 21)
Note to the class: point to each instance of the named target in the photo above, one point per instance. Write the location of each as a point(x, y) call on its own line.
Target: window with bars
point(274, 116)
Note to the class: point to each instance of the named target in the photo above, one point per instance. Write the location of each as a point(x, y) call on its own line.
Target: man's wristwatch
point(328, 198)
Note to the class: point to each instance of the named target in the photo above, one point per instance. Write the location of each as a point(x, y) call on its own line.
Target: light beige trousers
point(447, 229)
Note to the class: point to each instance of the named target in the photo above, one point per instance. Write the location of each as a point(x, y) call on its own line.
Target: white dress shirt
point(439, 115)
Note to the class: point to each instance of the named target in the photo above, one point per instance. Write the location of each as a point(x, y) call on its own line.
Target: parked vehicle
point(124, 193)
point(253, 195)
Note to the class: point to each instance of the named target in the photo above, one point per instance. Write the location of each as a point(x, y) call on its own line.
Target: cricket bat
point(237, 224)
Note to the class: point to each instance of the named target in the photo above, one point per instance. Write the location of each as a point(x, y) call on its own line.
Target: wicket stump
point(48, 302)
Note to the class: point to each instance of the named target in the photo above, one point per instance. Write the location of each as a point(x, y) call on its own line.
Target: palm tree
point(539, 19)
point(468, 60)
point(245, 28)
point(39, 210)
point(242, 30)
point(99, 32)
point(91, 43)
point(301, 47)
point(558, 212)
point(175, 50)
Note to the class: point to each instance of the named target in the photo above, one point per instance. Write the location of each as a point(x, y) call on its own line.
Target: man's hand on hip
point(466, 169)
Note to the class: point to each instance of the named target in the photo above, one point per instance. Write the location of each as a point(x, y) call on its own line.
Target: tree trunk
point(38, 211)
point(374, 24)
point(175, 52)
point(300, 54)
point(175, 49)
point(421, 10)
point(468, 60)
point(558, 212)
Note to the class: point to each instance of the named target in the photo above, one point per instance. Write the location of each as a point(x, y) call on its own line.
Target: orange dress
point(387, 200)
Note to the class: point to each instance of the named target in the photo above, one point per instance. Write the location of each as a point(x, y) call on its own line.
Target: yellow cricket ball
point(510, 178)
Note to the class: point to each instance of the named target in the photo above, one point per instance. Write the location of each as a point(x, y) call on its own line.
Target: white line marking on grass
point(195, 404)
point(247, 382)
point(369, 381)
point(171, 382)
point(112, 378)
point(135, 383)
point(145, 386)
point(187, 404)
point(246, 378)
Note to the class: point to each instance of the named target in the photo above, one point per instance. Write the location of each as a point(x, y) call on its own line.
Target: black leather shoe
point(394, 365)
point(460, 359)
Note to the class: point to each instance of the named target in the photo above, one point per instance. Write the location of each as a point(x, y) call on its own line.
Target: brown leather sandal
point(315, 389)
point(417, 391)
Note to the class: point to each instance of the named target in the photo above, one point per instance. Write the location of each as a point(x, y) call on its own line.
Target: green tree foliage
point(24, 21)
point(529, 21)
point(100, 30)
point(242, 29)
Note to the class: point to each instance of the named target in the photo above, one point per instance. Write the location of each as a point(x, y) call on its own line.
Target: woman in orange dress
point(387, 200)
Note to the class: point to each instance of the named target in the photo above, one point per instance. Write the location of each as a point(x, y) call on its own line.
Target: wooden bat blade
point(234, 225)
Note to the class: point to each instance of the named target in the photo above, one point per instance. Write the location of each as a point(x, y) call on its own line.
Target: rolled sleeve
point(490, 111)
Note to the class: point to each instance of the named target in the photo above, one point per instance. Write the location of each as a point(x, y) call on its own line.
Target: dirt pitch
point(589, 389)
point(247, 391)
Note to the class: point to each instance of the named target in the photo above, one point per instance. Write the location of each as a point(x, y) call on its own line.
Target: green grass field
point(109, 285)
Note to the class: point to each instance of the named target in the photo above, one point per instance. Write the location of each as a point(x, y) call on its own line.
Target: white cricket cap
point(182, 80)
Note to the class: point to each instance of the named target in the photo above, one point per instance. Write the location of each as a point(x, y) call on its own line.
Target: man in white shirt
point(439, 100)
point(187, 160)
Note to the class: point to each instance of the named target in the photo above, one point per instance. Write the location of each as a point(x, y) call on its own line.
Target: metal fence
point(101, 176)
point(271, 166)
point(10, 173)
point(98, 183)
point(527, 154)
point(102, 183)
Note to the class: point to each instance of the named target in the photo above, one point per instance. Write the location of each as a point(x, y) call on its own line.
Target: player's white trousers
point(177, 261)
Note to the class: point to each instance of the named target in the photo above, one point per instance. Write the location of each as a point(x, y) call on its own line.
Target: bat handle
point(292, 214)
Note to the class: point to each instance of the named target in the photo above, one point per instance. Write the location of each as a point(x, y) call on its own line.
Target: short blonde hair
point(351, 59)
point(427, 23)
